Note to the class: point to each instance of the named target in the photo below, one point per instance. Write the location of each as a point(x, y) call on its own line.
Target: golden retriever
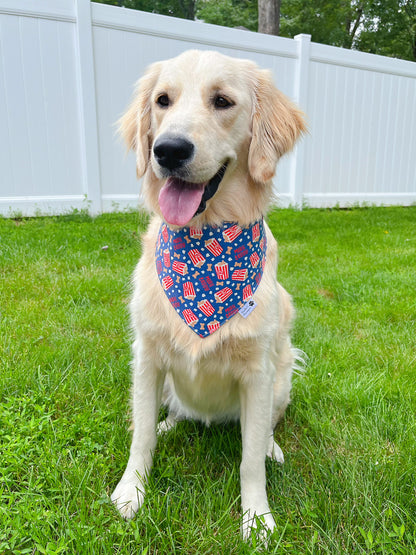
point(207, 131)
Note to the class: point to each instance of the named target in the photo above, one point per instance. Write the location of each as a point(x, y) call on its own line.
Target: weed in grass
point(347, 485)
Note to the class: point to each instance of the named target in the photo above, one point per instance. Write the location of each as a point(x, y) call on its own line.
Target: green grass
point(348, 484)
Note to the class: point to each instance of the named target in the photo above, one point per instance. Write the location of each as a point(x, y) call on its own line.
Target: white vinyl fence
point(67, 69)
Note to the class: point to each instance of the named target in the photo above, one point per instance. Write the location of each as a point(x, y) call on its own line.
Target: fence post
point(301, 98)
point(88, 109)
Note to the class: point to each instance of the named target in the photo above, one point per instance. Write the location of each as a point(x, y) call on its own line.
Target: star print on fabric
point(210, 273)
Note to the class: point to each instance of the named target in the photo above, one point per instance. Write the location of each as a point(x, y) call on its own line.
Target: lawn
point(348, 484)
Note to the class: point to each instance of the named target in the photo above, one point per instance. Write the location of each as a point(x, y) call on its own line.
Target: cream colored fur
point(244, 369)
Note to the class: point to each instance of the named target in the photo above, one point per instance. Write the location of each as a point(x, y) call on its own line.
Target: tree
point(269, 16)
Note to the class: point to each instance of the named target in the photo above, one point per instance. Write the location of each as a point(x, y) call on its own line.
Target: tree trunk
point(188, 9)
point(269, 17)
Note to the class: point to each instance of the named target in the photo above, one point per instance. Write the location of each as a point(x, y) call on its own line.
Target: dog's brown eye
point(222, 102)
point(163, 101)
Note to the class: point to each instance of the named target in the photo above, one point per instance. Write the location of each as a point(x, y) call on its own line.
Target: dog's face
point(207, 128)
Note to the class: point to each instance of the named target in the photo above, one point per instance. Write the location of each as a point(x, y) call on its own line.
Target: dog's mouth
point(181, 200)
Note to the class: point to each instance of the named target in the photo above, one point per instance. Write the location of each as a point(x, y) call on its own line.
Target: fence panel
point(362, 112)
point(39, 110)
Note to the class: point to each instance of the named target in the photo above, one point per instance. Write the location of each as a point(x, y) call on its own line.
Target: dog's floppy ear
point(277, 124)
point(134, 125)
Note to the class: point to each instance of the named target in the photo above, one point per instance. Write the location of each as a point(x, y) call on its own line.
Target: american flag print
point(209, 273)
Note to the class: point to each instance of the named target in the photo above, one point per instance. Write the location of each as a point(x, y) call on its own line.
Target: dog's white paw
point(274, 452)
point(128, 497)
point(261, 524)
point(166, 425)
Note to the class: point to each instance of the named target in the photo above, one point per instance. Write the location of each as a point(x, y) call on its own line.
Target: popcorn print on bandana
point(209, 273)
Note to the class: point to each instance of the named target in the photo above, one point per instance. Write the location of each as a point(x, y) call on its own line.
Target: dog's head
point(208, 131)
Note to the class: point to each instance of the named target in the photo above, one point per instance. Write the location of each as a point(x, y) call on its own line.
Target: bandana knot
point(210, 273)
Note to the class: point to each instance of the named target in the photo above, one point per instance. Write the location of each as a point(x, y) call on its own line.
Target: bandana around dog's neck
point(211, 273)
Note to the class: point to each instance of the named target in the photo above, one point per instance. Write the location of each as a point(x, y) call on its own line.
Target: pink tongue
point(179, 200)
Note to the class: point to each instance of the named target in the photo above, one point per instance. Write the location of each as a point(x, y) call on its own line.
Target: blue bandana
point(210, 274)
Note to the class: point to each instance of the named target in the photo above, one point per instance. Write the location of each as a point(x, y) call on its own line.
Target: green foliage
point(347, 485)
point(389, 29)
point(328, 22)
point(229, 13)
point(185, 9)
point(386, 27)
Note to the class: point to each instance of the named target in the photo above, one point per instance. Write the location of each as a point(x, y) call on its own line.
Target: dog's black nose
point(172, 152)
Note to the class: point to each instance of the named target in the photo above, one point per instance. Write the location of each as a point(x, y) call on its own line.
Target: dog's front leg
point(147, 389)
point(256, 398)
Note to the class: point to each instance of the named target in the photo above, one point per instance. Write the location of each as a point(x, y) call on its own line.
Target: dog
point(211, 323)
